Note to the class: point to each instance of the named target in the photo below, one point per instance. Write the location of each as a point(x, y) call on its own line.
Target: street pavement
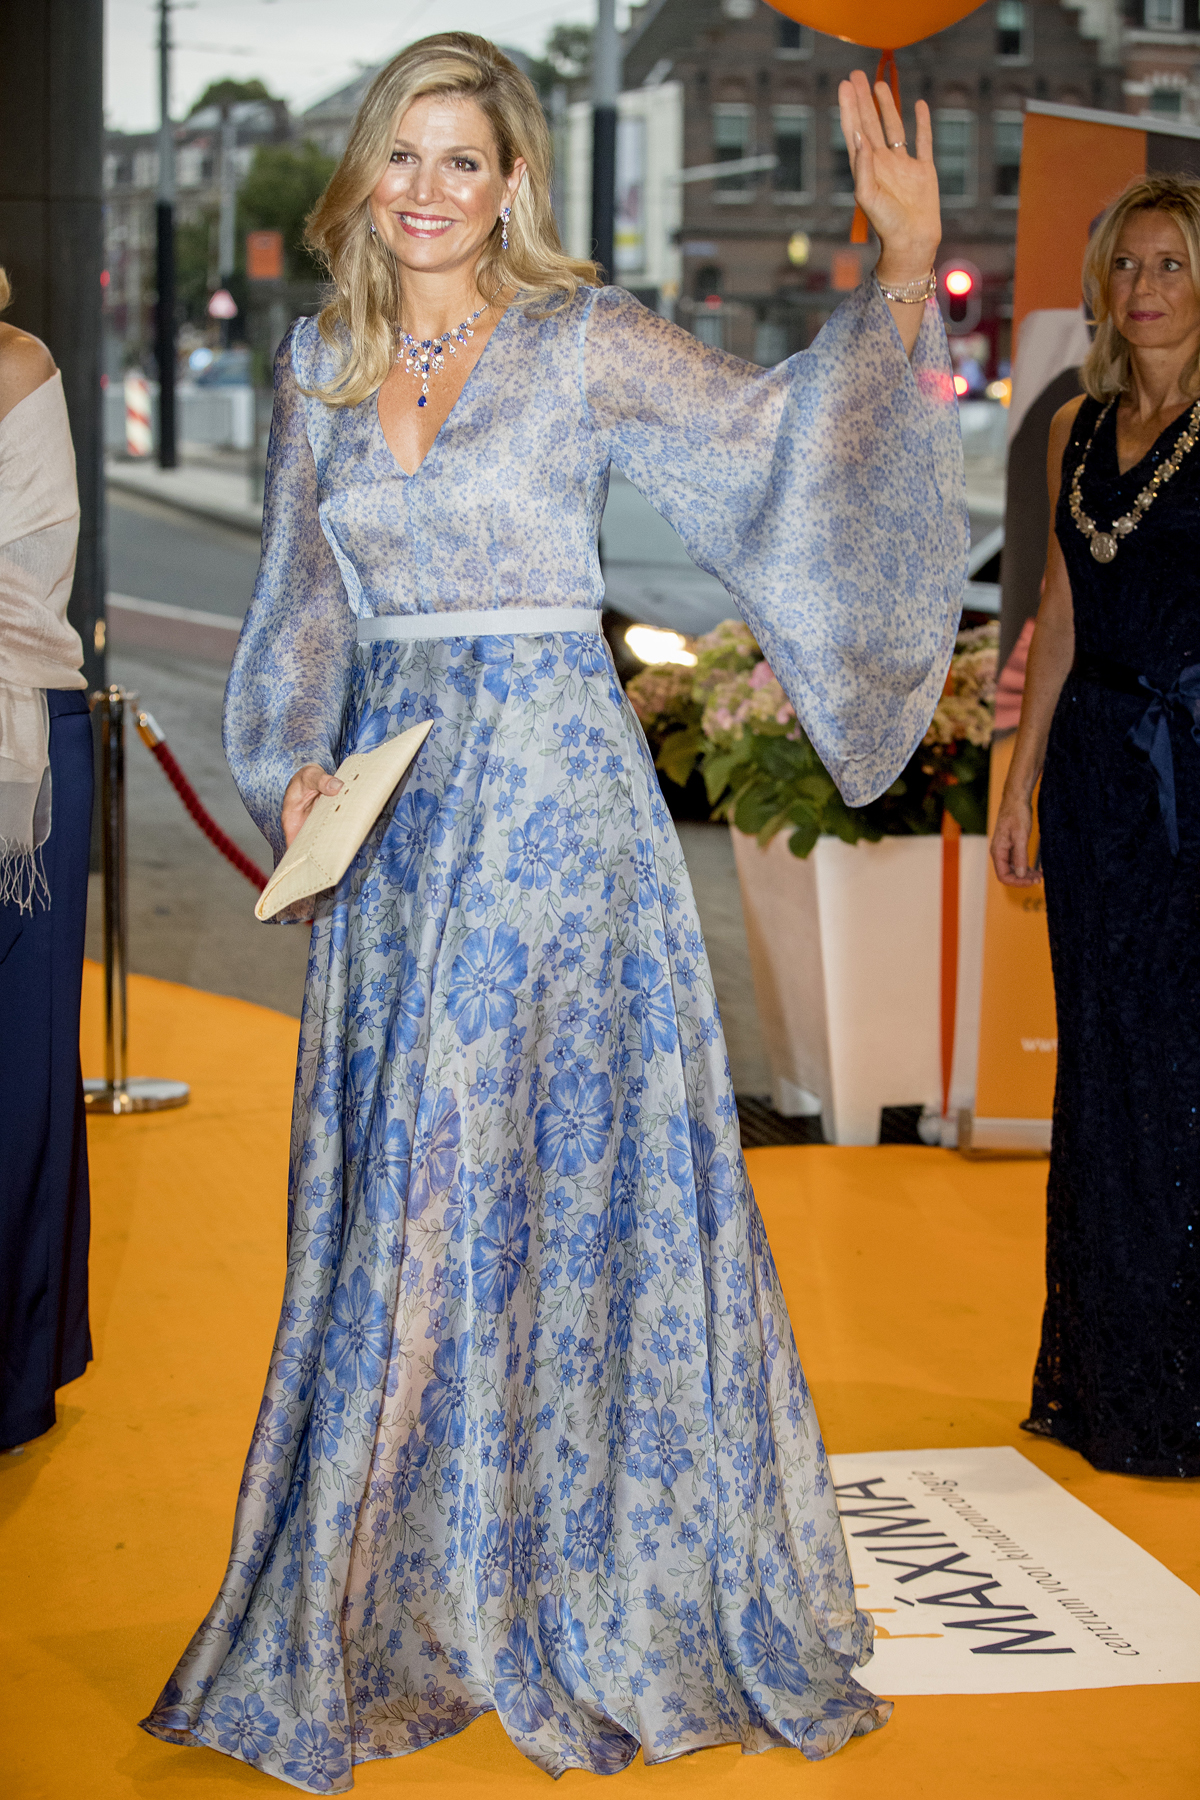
point(158, 552)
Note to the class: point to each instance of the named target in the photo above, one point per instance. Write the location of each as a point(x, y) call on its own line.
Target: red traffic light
point(960, 294)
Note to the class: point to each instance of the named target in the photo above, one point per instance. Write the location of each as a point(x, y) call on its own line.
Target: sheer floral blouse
point(826, 493)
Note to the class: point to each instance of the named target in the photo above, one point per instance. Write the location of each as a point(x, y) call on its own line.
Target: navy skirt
point(44, 1213)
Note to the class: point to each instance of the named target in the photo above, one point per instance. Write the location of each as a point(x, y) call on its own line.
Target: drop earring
point(505, 215)
point(372, 229)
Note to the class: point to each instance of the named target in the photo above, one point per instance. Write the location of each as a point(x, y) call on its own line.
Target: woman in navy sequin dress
point(1115, 665)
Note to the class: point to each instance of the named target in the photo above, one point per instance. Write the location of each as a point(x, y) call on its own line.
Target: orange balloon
point(880, 23)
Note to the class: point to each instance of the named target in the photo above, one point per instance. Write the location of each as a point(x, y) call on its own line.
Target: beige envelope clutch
point(334, 830)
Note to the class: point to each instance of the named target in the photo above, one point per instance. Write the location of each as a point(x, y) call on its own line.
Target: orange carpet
point(914, 1283)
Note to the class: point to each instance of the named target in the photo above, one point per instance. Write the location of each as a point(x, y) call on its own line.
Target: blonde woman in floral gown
point(535, 1436)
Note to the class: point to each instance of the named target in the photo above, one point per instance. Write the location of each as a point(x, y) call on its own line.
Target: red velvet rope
point(204, 818)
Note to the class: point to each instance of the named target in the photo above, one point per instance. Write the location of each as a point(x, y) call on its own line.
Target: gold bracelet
point(913, 293)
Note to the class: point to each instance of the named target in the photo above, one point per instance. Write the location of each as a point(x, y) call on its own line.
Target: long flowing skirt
point(1118, 1368)
point(535, 1435)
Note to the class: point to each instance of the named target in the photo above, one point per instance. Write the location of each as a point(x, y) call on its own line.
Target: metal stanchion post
point(118, 1093)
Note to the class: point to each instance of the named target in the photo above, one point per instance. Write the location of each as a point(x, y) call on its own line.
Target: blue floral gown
point(535, 1435)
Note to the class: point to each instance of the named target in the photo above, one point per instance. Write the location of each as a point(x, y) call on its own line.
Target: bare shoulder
point(25, 364)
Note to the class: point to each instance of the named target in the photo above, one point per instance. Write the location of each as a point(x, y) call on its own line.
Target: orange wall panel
point(1070, 171)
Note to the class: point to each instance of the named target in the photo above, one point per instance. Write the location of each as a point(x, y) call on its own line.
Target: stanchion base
point(141, 1094)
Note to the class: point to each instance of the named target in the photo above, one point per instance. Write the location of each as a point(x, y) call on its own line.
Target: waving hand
point(896, 189)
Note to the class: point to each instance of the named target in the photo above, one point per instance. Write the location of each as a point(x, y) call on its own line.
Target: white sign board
point(984, 1576)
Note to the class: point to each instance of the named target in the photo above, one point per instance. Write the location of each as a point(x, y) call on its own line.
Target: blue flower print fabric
point(535, 1436)
point(826, 493)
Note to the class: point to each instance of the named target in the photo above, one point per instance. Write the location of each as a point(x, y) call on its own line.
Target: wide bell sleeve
point(826, 494)
point(286, 694)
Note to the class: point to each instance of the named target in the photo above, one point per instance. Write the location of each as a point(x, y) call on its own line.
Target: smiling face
point(438, 200)
point(1153, 299)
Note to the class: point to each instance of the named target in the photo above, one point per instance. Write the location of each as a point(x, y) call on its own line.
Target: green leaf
point(752, 812)
point(836, 820)
point(717, 767)
point(679, 753)
point(969, 808)
point(848, 823)
point(803, 840)
point(774, 825)
point(780, 758)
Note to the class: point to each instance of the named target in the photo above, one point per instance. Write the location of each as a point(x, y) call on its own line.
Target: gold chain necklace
point(1105, 544)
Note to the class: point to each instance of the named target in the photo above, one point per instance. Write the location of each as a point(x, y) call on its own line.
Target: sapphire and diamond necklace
point(423, 357)
point(1105, 544)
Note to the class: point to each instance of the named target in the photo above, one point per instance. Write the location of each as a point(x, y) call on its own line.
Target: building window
point(792, 127)
point(1006, 157)
point(1012, 29)
point(733, 122)
point(190, 171)
point(794, 39)
point(954, 154)
point(841, 181)
point(1164, 15)
point(1166, 100)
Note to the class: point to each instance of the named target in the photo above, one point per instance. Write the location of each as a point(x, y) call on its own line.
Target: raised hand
point(898, 191)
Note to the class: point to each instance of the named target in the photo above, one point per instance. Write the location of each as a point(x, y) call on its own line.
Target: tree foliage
point(195, 263)
point(566, 60)
point(282, 185)
point(228, 92)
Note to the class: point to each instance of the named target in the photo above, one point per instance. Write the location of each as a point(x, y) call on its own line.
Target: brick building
point(1161, 56)
point(765, 254)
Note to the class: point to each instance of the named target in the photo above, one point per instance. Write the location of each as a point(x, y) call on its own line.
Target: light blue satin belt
point(500, 621)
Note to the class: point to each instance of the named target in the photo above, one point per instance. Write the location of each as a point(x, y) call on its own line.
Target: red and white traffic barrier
point(139, 436)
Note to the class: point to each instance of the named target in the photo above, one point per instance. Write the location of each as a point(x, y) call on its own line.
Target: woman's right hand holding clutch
point(300, 794)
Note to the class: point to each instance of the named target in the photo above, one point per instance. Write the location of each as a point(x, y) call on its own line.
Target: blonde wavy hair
point(359, 322)
point(5, 289)
point(1106, 370)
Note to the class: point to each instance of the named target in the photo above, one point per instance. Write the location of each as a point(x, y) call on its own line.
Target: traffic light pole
point(164, 333)
point(606, 83)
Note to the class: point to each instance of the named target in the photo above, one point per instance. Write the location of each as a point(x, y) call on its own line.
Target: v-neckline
point(480, 360)
point(1124, 474)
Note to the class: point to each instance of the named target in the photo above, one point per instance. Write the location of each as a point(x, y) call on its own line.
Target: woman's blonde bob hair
point(1106, 371)
point(5, 289)
point(360, 321)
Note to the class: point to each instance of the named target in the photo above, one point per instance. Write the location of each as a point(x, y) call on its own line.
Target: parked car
point(228, 368)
